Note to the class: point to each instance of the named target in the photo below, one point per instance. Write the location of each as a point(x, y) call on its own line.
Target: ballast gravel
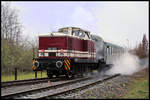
point(109, 89)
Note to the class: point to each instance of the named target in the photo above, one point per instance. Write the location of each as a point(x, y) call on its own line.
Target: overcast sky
point(116, 22)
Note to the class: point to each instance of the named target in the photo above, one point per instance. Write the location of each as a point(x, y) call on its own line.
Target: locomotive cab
point(74, 32)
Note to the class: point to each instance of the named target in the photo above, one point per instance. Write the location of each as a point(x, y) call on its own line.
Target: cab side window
point(86, 36)
point(65, 31)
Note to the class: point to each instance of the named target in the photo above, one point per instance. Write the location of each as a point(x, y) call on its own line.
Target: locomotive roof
point(61, 33)
point(74, 28)
point(114, 45)
point(96, 37)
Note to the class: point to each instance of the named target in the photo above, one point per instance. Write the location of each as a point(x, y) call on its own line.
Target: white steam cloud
point(82, 18)
point(126, 64)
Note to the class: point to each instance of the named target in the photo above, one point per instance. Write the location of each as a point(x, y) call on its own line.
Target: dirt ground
point(143, 74)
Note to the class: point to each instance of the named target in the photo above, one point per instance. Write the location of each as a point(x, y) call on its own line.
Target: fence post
point(35, 74)
point(15, 73)
point(41, 73)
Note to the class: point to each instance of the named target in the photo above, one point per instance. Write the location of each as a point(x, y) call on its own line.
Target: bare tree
point(11, 30)
point(142, 49)
point(16, 50)
point(145, 45)
point(10, 23)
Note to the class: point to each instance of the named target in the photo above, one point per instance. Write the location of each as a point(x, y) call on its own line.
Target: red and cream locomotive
point(67, 52)
point(73, 51)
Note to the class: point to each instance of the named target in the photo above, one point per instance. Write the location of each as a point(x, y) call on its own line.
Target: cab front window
point(65, 31)
point(75, 33)
point(81, 34)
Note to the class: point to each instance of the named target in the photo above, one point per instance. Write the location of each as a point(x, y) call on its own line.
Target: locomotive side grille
point(52, 54)
point(69, 44)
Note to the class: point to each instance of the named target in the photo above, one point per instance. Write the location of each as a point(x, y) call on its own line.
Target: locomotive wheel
point(57, 75)
point(50, 75)
point(101, 68)
point(81, 75)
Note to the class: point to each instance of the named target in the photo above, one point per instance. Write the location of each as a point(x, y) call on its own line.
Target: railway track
point(27, 82)
point(59, 89)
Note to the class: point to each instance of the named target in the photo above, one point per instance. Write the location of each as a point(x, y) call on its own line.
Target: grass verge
point(140, 90)
point(22, 76)
point(140, 86)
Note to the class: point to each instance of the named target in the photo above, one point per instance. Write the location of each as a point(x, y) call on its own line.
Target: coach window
point(105, 48)
point(117, 51)
point(109, 50)
point(112, 51)
point(106, 51)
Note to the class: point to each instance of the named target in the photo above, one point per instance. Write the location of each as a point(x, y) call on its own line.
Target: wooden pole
point(41, 73)
point(15, 73)
point(33, 52)
point(35, 74)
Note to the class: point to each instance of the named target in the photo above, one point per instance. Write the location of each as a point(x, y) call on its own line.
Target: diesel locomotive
point(73, 51)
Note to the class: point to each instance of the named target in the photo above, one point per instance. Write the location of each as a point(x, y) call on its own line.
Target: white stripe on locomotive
point(69, 53)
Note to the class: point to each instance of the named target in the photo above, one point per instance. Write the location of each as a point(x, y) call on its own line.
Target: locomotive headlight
point(59, 64)
point(61, 54)
point(36, 63)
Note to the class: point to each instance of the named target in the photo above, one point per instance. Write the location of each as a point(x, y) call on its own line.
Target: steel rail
point(26, 82)
point(13, 95)
point(78, 87)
